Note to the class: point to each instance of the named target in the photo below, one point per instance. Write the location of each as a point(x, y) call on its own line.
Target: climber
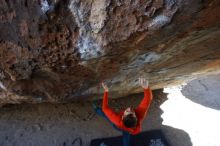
point(127, 121)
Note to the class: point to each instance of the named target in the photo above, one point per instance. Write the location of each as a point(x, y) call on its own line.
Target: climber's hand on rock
point(105, 87)
point(143, 83)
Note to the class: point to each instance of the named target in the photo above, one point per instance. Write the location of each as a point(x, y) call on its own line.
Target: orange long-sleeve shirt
point(140, 112)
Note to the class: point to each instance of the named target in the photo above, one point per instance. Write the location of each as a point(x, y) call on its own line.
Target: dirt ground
point(64, 124)
point(61, 124)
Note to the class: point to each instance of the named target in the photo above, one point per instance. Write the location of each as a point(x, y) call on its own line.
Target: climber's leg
point(99, 111)
point(126, 138)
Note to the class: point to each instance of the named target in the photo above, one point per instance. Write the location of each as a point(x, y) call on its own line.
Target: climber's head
point(129, 118)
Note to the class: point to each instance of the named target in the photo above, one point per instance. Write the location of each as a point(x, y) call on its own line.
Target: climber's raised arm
point(112, 115)
point(143, 107)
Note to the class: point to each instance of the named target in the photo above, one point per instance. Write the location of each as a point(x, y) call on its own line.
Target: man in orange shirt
point(127, 121)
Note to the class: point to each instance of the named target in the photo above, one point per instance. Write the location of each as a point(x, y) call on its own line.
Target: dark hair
point(130, 121)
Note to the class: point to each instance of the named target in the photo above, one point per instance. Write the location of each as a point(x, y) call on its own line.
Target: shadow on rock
point(176, 137)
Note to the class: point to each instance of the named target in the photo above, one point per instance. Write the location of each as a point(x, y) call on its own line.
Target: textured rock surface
point(57, 51)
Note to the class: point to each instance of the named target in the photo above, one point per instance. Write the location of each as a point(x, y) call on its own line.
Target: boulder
point(60, 50)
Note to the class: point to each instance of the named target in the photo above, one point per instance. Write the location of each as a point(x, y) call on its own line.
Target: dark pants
point(126, 135)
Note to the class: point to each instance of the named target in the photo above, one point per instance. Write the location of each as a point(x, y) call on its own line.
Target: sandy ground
point(61, 124)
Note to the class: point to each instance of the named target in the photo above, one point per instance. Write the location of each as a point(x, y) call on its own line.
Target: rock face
point(60, 50)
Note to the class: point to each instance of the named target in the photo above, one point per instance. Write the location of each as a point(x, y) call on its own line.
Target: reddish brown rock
point(59, 51)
